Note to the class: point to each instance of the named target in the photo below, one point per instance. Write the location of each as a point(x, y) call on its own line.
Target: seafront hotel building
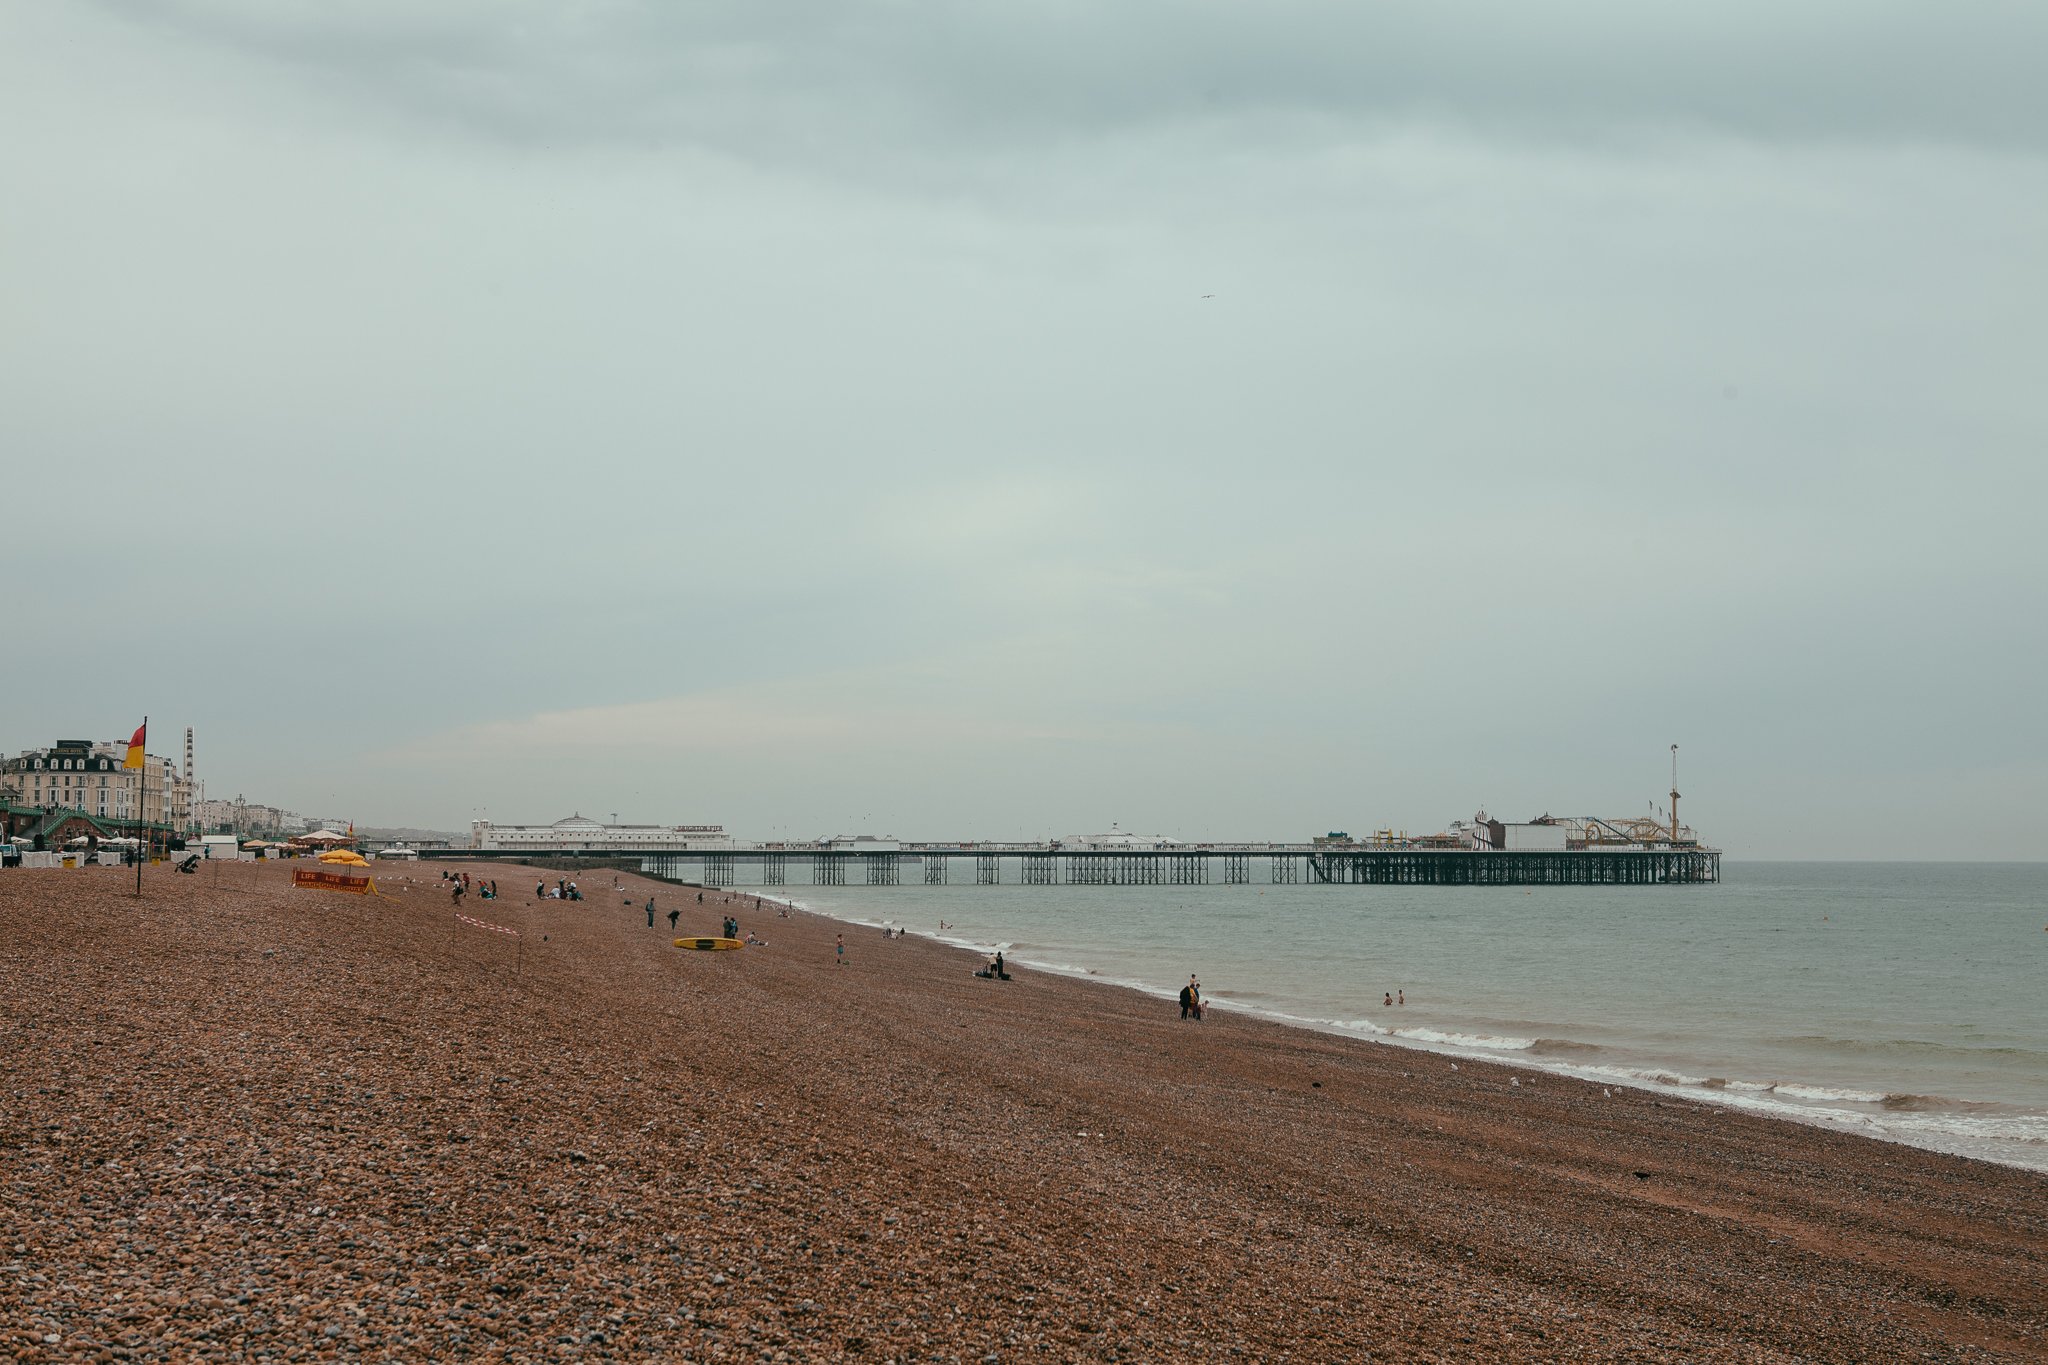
point(81, 775)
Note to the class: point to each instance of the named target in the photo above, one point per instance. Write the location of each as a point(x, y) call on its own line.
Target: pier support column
point(882, 869)
point(988, 870)
point(772, 870)
point(1237, 869)
point(718, 869)
point(935, 869)
point(1041, 869)
point(828, 869)
point(1285, 868)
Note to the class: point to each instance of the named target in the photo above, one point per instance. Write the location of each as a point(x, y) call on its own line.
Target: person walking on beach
point(673, 916)
point(650, 912)
point(1187, 1000)
point(841, 950)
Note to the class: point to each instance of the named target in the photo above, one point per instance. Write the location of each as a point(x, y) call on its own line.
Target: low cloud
point(815, 81)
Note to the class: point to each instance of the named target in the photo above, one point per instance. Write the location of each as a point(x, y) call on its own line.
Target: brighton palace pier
point(1577, 852)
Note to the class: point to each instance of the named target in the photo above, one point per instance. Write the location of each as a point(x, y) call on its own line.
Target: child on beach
point(842, 950)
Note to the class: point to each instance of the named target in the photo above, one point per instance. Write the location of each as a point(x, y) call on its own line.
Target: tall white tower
point(191, 786)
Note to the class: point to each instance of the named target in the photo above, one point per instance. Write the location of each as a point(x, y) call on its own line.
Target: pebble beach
point(244, 1122)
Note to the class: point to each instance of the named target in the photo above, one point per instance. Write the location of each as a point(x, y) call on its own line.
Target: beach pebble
point(248, 1126)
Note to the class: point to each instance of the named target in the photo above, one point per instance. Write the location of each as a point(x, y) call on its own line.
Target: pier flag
point(135, 746)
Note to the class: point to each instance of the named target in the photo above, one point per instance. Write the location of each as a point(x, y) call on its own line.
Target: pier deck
point(1175, 865)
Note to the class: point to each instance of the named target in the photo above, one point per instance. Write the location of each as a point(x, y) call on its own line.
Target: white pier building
point(579, 834)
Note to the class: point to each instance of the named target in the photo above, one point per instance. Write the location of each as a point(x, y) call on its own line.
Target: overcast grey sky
point(813, 416)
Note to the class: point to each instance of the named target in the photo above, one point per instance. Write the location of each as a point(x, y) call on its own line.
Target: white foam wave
point(1482, 1041)
point(1628, 1075)
point(1826, 1094)
point(1365, 1027)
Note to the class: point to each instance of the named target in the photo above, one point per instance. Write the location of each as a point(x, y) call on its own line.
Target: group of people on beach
point(1191, 999)
point(728, 927)
point(461, 882)
point(562, 890)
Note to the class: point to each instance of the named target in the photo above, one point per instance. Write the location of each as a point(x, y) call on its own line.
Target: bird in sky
point(1208, 296)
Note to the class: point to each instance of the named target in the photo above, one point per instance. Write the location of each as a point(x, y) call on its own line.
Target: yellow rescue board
point(709, 943)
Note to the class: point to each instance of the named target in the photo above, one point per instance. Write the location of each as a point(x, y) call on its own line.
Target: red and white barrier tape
point(486, 924)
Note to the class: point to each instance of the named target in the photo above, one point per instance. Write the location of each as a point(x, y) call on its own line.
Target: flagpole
point(142, 804)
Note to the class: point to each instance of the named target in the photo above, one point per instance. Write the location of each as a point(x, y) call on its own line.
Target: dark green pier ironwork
point(1457, 867)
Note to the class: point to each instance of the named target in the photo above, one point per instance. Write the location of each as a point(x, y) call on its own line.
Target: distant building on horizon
point(245, 817)
point(579, 833)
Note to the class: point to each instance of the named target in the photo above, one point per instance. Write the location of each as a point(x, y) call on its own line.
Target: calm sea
point(1908, 1001)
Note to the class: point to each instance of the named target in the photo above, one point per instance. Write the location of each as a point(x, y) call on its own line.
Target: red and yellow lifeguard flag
point(135, 746)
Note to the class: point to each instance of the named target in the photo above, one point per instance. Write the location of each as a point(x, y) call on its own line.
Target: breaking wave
point(1484, 1042)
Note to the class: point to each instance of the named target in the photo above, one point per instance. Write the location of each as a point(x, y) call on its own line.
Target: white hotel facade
point(579, 833)
point(89, 776)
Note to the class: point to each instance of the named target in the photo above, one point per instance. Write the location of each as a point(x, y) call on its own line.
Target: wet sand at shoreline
point(242, 1121)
